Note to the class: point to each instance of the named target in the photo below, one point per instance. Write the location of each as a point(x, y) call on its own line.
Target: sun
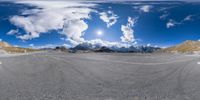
point(99, 32)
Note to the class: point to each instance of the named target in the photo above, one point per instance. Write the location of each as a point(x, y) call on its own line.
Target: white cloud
point(31, 45)
point(51, 4)
point(31, 11)
point(145, 8)
point(148, 45)
point(128, 32)
point(12, 32)
point(43, 46)
point(0, 40)
point(171, 23)
point(54, 15)
point(164, 16)
point(52, 46)
point(74, 29)
point(66, 45)
point(69, 17)
point(109, 17)
point(188, 18)
point(64, 39)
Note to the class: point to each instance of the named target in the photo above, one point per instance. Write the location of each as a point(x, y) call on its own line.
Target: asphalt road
point(100, 76)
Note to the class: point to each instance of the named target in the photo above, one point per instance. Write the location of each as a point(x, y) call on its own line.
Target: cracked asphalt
point(99, 76)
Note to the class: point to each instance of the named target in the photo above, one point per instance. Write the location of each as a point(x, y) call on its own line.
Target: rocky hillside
point(185, 47)
point(4, 44)
point(7, 48)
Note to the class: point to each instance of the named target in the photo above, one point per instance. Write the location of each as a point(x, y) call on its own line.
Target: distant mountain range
point(185, 47)
point(97, 48)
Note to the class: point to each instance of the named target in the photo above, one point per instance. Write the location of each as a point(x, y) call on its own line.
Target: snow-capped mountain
point(131, 49)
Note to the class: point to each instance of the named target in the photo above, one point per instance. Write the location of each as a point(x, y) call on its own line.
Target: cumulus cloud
point(109, 18)
point(69, 17)
point(146, 8)
point(74, 29)
point(128, 32)
point(54, 15)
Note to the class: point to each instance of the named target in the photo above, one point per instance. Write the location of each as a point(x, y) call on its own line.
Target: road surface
point(99, 76)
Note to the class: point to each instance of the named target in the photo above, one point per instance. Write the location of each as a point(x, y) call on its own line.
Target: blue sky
point(50, 23)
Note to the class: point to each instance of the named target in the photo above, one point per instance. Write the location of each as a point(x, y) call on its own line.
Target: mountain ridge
point(98, 48)
point(8, 48)
point(188, 46)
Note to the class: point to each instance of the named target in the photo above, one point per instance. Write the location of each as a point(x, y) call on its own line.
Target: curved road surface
point(90, 76)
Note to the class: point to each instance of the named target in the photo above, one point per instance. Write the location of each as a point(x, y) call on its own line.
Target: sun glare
point(99, 32)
